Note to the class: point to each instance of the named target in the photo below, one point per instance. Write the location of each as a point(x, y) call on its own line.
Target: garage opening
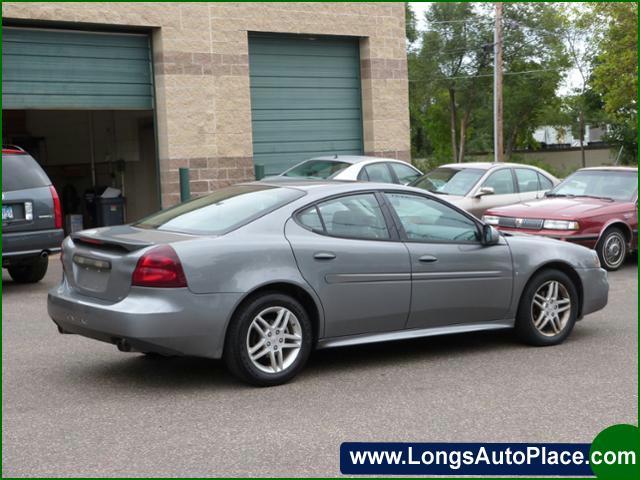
point(81, 103)
point(305, 98)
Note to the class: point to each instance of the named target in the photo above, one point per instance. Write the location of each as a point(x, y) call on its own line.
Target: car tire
point(548, 309)
point(31, 272)
point(268, 340)
point(612, 249)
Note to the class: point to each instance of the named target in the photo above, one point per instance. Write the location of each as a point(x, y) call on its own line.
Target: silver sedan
point(260, 274)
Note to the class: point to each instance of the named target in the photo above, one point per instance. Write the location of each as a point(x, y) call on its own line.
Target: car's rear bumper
point(595, 289)
point(20, 246)
point(167, 321)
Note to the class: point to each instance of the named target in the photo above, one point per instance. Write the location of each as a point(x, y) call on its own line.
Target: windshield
point(316, 169)
point(616, 185)
point(20, 172)
point(221, 211)
point(451, 181)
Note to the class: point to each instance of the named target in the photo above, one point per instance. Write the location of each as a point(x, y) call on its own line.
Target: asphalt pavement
point(76, 407)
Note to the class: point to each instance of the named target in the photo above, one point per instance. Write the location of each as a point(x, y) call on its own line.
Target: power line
point(524, 72)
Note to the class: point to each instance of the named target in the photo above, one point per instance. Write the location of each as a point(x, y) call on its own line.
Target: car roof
point(612, 168)
point(485, 165)
point(330, 187)
point(353, 159)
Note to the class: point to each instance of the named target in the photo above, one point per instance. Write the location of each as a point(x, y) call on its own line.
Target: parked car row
point(261, 273)
point(595, 207)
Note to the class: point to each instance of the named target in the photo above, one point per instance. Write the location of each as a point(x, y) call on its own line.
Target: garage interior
point(81, 103)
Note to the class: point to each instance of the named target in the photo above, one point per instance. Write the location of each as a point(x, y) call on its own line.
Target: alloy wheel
point(274, 339)
point(551, 308)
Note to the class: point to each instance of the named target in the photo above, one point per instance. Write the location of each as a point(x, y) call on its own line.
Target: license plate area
point(91, 274)
point(7, 213)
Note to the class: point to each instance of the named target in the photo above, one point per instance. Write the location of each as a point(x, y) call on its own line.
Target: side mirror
point(485, 191)
point(490, 236)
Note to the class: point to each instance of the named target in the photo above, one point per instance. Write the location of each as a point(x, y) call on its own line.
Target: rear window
point(316, 169)
point(20, 172)
point(222, 211)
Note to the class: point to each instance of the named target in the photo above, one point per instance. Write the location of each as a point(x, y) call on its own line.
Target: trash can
point(109, 211)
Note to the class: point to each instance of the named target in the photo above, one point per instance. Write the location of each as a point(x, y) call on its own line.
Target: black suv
point(31, 217)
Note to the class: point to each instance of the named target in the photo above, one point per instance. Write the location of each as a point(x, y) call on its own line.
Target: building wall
point(202, 74)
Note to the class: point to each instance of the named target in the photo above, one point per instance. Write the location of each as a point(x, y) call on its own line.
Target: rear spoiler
point(103, 241)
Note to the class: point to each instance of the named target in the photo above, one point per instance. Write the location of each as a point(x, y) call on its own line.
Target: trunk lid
point(100, 262)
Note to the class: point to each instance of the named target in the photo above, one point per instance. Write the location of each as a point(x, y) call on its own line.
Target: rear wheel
point(548, 309)
point(269, 340)
point(612, 249)
point(31, 272)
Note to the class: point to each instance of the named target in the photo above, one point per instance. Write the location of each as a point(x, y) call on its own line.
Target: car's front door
point(503, 192)
point(356, 265)
point(455, 279)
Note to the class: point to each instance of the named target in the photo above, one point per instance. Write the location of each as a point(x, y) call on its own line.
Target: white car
point(352, 167)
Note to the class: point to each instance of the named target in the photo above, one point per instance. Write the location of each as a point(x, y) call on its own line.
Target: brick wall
point(202, 74)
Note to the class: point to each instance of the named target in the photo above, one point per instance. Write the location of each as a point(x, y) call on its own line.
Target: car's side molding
point(412, 333)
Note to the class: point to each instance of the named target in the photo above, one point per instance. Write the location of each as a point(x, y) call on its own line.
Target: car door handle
point(428, 259)
point(324, 255)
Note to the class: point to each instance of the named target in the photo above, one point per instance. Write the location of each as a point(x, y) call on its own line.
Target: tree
point(451, 76)
point(615, 75)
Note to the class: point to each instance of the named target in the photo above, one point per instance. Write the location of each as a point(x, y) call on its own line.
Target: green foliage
point(615, 75)
point(450, 77)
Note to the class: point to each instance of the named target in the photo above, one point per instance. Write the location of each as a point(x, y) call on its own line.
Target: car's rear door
point(455, 279)
point(354, 262)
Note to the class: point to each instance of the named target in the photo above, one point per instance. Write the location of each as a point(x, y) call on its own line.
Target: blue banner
point(457, 459)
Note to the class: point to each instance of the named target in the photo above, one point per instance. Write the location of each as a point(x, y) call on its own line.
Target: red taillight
point(160, 267)
point(57, 209)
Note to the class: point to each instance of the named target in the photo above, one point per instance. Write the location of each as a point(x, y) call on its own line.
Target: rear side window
point(353, 216)
point(527, 180)
point(222, 211)
point(376, 172)
point(545, 183)
point(405, 174)
point(20, 172)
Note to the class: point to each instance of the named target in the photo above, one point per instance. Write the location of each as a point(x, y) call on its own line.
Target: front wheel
point(612, 249)
point(269, 340)
point(548, 309)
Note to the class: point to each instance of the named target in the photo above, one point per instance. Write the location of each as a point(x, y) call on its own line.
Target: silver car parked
point(477, 187)
point(260, 274)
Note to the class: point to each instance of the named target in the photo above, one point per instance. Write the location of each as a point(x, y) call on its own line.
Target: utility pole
point(498, 142)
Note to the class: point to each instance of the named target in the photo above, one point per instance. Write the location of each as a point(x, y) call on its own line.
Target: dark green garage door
point(305, 98)
point(59, 69)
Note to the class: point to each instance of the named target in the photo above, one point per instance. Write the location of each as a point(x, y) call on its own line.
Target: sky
point(571, 81)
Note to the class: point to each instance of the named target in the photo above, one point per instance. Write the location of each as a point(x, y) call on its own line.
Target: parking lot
point(73, 406)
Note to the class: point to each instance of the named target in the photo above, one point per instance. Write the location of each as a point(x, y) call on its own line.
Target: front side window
point(426, 220)
point(221, 211)
point(377, 172)
point(354, 216)
point(405, 174)
point(450, 181)
point(501, 182)
point(617, 185)
point(316, 169)
point(527, 180)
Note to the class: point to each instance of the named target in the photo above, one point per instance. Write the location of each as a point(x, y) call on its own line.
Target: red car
point(594, 207)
